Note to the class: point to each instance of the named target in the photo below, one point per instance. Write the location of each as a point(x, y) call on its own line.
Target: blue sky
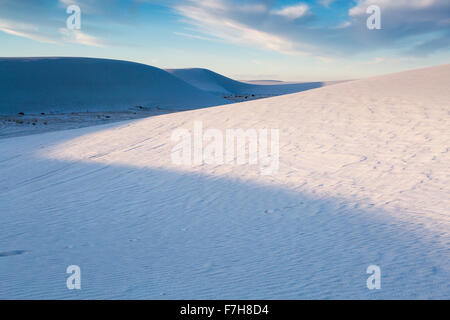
point(267, 39)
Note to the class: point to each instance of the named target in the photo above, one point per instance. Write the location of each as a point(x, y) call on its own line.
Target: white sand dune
point(210, 81)
point(47, 94)
point(64, 85)
point(60, 85)
point(364, 179)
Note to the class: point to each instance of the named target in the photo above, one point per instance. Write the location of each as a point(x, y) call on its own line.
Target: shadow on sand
point(159, 234)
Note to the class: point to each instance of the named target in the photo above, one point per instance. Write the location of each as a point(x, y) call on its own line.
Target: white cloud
point(215, 18)
point(32, 32)
point(362, 5)
point(77, 36)
point(292, 12)
point(406, 21)
point(24, 30)
point(47, 34)
point(292, 29)
point(344, 25)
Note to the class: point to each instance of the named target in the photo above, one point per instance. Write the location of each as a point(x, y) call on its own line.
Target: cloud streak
point(321, 28)
point(217, 19)
point(79, 37)
point(406, 21)
point(25, 31)
point(41, 29)
point(298, 28)
point(32, 32)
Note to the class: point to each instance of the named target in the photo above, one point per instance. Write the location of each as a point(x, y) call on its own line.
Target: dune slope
point(213, 82)
point(363, 180)
point(35, 85)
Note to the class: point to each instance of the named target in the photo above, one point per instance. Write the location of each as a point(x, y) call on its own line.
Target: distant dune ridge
point(59, 84)
point(210, 81)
